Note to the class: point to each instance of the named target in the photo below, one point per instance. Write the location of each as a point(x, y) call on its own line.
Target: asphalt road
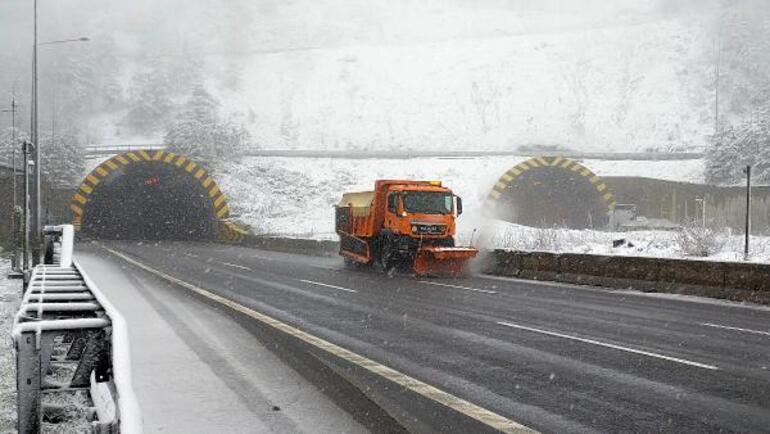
point(196, 370)
point(553, 357)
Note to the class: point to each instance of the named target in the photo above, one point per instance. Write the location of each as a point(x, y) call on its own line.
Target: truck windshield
point(427, 202)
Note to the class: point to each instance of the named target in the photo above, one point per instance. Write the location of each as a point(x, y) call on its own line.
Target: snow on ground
point(721, 246)
point(295, 196)
point(669, 170)
point(9, 303)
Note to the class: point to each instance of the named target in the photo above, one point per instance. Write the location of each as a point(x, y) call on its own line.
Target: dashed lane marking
point(467, 288)
point(327, 285)
point(608, 345)
point(229, 264)
point(435, 394)
point(758, 332)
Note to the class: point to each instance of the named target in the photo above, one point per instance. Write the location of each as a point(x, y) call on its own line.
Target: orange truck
point(404, 225)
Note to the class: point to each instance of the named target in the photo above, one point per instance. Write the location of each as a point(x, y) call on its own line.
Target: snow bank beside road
point(9, 304)
point(657, 244)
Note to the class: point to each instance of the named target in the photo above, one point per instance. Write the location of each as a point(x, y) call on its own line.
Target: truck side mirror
point(459, 205)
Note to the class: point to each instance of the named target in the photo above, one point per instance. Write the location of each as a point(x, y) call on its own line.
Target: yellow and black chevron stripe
point(228, 230)
point(510, 176)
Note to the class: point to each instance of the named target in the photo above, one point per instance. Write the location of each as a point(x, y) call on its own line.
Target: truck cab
point(402, 224)
point(421, 211)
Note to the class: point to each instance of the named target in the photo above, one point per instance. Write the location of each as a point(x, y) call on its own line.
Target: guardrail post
point(93, 357)
point(78, 344)
point(28, 379)
point(45, 352)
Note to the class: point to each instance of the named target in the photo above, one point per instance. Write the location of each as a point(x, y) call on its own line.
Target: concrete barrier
point(292, 245)
point(728, 280)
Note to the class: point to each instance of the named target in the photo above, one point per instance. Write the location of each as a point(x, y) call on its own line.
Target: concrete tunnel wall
point(551, 191)
point(151, 195)
point(679, 202)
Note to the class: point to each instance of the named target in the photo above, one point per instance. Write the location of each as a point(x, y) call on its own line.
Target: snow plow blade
point(439, 261)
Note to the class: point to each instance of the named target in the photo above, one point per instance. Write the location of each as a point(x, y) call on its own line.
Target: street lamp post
point(12, 111)
point(702, 201)
point(35, 226)
point(14, 175)
point(26, 153)
point(747, 233)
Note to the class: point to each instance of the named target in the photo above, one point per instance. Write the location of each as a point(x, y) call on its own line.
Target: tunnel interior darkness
point(149, 200)
point(552, 197)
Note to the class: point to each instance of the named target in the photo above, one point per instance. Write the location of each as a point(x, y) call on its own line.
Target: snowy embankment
point(693, 243)
point(294, 197)
point(9, 303)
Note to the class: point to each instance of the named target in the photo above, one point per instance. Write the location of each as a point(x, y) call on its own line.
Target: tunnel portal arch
point(152, 194)
point(551, 191)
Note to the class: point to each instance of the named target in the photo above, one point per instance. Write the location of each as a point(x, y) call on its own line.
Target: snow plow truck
point(402, 225)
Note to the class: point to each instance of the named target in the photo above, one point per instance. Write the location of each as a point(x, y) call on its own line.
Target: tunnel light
point(153, 180)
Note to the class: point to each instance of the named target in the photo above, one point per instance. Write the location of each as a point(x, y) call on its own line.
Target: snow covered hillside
point(294, 196)
point(625, 75)
point(626, 88)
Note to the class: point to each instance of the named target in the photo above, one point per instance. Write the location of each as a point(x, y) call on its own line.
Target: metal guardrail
point(72, 354)
point(7, 169)
point(392, 154)
point(99, 150)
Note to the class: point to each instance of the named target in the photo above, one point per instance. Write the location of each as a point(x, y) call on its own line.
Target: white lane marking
point(435, 394)
point(236, 266)
point(327, 285)
point(759, 332)
point(608, 345)
point(321, 267)
point(636, 293)
point(467, 288)
point(192, 255)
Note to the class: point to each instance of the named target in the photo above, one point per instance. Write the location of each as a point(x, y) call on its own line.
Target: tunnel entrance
point(551, 192)
point(150, 197)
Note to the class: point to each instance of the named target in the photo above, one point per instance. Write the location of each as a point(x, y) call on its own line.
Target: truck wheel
point(388, 258)
point(387, 262)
